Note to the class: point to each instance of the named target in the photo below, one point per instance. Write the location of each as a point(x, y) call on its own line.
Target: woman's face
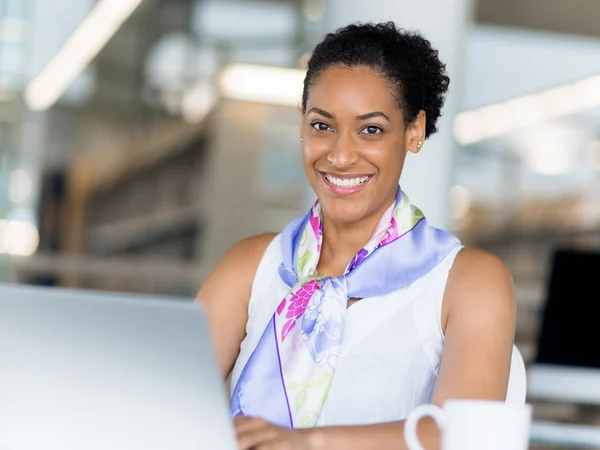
point(355, 142)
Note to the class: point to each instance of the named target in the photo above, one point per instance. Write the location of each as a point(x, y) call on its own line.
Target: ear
point(415, 133)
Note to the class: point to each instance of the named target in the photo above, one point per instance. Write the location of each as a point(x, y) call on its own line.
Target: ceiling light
point(275, 85)
point(80, 49)
point(505, 117)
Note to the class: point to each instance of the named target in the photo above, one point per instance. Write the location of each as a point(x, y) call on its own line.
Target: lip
point(345, 191)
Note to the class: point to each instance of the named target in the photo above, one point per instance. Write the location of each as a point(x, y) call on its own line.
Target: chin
point(344, 211)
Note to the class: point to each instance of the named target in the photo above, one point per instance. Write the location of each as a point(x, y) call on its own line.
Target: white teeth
point(346, 182)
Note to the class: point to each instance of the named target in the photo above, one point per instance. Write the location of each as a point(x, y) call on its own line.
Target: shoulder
point(247, 253)
point(477, 268)
point(479, 282)
point(240, 263)
point(251, 250)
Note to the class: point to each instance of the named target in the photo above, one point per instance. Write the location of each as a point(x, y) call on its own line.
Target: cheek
point(308, 162)
point(388, 158)
point(314, 151)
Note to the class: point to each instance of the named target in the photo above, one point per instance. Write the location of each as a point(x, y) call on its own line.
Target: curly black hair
point(405, 58)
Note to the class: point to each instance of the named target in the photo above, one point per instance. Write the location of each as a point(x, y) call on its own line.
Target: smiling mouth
point(346, 184)
point(345, 181)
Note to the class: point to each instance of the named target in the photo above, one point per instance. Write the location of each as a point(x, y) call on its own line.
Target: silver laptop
point(87, 371)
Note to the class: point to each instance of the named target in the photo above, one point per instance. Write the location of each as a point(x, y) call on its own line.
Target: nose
point(344, 152)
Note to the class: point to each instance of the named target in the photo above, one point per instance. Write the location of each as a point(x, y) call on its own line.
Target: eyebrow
point(321, 112)
point(361, 117)
point(373, 114)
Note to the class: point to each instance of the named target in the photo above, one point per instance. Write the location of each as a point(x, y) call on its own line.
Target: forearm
point(383, 436)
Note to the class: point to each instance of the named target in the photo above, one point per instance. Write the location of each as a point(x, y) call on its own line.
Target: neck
point(342, 241)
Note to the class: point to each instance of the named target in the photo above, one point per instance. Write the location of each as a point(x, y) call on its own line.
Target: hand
point(258, 434)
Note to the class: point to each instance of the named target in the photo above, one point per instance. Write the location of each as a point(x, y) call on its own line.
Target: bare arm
point(225, 295)
point(479, 321)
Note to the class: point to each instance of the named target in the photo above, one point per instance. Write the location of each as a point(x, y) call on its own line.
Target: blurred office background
point(139, 139)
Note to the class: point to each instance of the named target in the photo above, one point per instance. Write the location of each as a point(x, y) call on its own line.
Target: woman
point(360, 311)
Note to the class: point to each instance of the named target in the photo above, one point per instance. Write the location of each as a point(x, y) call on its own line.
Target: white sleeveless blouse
point(391, 348)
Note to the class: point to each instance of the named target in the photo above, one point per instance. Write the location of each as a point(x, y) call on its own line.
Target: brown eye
point(321, 126)
point(371, 130)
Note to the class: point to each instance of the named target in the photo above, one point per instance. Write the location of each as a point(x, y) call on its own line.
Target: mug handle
point(410, 426)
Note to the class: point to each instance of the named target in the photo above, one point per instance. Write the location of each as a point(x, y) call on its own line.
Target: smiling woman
point(354, 129)
point(358, 312)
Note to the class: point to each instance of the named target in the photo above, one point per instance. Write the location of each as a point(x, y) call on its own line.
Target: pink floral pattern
point(315, 223)
point(296, 305)
point(391, 234)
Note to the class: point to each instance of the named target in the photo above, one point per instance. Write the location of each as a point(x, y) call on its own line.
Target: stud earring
point(420, 144)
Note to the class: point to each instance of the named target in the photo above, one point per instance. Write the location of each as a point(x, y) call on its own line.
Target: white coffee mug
point(474, 425)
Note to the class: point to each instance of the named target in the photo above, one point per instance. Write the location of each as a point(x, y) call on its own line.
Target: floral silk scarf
point(288, 376)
